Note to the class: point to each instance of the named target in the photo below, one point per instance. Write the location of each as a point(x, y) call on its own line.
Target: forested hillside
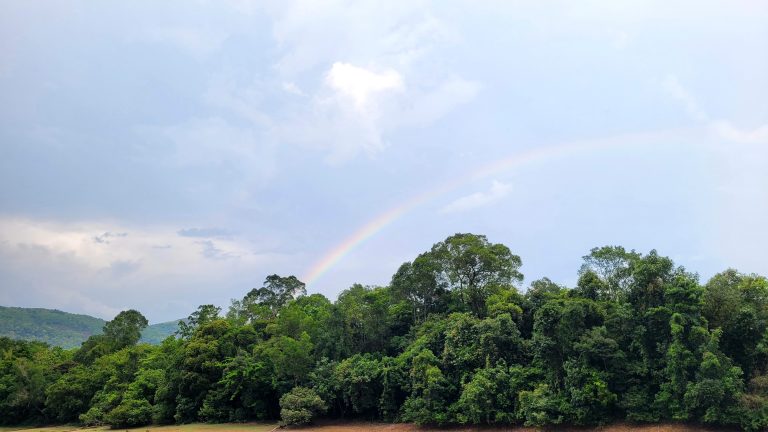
point(63, 329)
point(453, 339)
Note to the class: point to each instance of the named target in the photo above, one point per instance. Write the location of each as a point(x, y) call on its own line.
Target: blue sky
point(159, 156)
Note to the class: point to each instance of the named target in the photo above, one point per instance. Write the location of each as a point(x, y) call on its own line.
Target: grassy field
point(360, 427)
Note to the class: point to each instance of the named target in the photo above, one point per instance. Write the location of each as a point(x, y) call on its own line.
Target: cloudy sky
point(161, 155)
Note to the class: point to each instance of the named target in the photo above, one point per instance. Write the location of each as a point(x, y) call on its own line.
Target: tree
point(470, 265)
point(428, 402)
point(417, 285)
point(291, 359)
point(359, 382)
point(613, 267)
point(450, 340)
point(27, 369)
point(738, 305)
point(363, 314)
point(125, 329)
point(203, 315)
point(265, 302)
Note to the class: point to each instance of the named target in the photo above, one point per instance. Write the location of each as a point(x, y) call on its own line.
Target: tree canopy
point(454, 338)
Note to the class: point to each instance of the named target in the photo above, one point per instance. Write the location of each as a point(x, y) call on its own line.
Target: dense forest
point(453, 339)
point(64, 329)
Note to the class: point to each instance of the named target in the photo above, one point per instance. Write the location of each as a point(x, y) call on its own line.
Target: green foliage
point(125, 329)
point(492, 395)
point(362, 314)
point(62, 329)
point(589, 398)
point(53, 327)
point(543, 406)
point(300, 406)
point(291, 359)
point(449, 341)
point(130, 413)
point(265, 302)
point(203, 315)
point(26, 370)
point(471, 266)
point(430, 390)
point(359, 382)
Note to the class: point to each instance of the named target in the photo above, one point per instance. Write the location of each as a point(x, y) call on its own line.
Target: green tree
point(417, 285)
point(428, 402)
point(613, 267)
point(125, 329)
point(203, 315)
point(472, 266)
point(291, 359)
point(265, 302)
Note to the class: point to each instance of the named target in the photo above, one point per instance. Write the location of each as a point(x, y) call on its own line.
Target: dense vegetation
point(63, 329)
point(450, 340)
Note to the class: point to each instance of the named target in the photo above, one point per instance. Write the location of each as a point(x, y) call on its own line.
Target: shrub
point(130, 413)
point(299, 406)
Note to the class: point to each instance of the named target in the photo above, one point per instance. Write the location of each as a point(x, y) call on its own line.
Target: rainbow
point(378, 223)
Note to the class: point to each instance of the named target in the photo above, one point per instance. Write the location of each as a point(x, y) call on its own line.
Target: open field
point(361, 427)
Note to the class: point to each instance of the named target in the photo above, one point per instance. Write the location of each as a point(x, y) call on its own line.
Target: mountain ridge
point(65, 329)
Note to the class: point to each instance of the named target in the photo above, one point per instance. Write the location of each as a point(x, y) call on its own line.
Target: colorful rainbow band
point(338, 252)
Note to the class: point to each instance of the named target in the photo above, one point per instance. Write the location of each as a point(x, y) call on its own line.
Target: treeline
point(451, 340)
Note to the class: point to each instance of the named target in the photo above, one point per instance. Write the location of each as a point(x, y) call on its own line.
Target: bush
point(754, 412)
point(299, 406)
point(130, 413)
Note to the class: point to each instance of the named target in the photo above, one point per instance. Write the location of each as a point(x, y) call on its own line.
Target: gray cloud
point(107, 236)
point(211, 251)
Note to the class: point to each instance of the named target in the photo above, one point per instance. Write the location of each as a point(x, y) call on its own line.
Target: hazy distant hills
point(64, 329)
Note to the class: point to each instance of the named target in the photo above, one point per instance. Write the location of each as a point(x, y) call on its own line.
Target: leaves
point(450, 340)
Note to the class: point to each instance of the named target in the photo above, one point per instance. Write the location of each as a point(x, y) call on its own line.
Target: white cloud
point(724, 129)
point(69, 266)
point(310, 34)
point(497, 191)
point(359, 108)
point(673, 87)
point(363, 73)
point(432, 104)
point(728, 131)
point(292, 88)
point(740, 202)
point(361, 84)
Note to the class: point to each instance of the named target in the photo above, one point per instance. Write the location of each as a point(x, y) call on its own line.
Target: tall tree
point(471, 266)
point(265, 302)
point(613, 266)
point(125, 329)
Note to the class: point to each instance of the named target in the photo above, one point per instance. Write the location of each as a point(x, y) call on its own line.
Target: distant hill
point(65, 329)
point(156, 333)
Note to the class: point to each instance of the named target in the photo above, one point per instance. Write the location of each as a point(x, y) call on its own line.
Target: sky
point(163, 155)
